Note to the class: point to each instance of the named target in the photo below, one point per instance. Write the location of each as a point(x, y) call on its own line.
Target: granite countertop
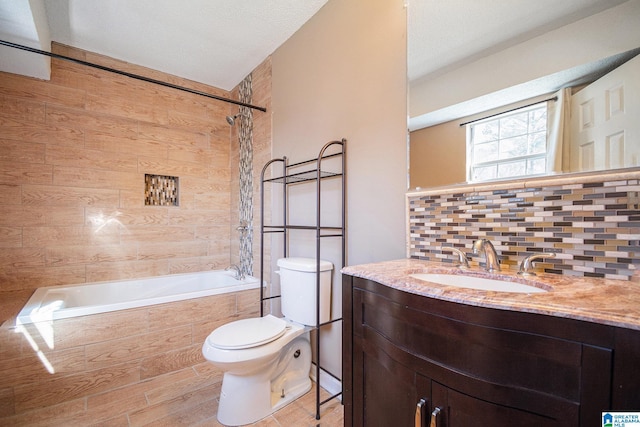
point(605, 301)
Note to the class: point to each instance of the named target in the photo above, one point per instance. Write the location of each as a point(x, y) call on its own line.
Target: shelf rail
point(318, 175)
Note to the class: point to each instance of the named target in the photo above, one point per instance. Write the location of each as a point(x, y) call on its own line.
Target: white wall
point(343, 75)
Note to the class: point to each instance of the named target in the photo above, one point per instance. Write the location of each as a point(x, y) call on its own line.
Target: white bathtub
point(60, 302)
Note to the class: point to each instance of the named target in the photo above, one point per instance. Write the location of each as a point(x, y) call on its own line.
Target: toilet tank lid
point(304, 264)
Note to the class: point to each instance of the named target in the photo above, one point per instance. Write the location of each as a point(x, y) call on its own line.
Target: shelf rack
point(313, 173)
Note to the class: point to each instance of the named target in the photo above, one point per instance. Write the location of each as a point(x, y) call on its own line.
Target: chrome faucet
point(239, 274)
point(490, 255)
point(463, 262)
point(527, 264)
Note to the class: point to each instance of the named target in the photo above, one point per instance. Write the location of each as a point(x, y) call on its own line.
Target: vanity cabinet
point(406, 357)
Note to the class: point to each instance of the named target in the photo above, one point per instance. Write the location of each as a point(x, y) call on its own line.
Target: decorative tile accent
point(161, 190)
point(593, 228)
point(246, 178)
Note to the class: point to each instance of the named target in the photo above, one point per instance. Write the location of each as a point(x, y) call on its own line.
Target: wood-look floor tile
point(158, 411)
point(298, 413)
point(50, 416)
point(107, 415)
point(120, 421)
point(199, 415)
point(116, 397)
point(186, 387)
point(302, 412)
point(269, 421)
point(211, 422)
point(6, 402)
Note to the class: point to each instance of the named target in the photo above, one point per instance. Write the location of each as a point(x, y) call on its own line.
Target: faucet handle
point(527, 263)
point(463, 262)
point(477, 245)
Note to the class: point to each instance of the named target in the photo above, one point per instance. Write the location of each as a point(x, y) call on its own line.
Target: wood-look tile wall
point(73, 154)
point(125, 368)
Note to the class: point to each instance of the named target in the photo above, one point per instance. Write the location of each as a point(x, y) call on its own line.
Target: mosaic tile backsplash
point(161, 190)
point(592, 227)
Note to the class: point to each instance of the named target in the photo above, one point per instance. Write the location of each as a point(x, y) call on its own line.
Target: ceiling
point(216, 42)
point(219, 42)
point(444, 35)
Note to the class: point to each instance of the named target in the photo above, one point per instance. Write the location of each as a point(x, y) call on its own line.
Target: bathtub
point(61, 302)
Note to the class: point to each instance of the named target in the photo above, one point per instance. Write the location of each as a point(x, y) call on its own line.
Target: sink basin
point(482, 283)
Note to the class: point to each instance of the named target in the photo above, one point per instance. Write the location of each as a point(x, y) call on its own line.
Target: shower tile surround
point(74, 153)
point(591, 222)
point(78, 147)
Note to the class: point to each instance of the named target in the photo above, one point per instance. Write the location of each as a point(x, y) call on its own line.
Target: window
point(510, 145)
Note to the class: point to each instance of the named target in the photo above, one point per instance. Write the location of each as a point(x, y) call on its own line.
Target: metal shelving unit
point(312, 173)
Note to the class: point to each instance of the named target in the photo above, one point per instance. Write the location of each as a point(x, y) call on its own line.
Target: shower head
point(232, 119)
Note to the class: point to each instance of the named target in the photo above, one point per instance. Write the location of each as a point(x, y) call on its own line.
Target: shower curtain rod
point(131, 75)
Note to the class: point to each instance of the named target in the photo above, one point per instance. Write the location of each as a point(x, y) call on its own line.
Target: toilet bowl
point(266, 360)
point(266, 363)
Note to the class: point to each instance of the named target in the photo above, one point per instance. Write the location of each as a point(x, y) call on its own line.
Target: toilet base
point(245, 399)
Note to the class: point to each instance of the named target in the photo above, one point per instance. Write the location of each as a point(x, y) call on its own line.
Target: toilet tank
point(298, 289)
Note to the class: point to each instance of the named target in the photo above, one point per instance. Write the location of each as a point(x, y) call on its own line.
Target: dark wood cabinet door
point(461, 410)
point(389, 391)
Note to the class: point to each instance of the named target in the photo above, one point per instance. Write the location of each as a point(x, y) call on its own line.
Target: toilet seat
point(247, 333)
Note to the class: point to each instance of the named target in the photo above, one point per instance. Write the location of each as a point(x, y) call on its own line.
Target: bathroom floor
point(300, 413)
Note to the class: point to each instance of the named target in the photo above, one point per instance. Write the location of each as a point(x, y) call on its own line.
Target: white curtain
point(558, 113)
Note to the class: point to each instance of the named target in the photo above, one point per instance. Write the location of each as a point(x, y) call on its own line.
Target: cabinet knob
point(434, 418)
point(419, 408)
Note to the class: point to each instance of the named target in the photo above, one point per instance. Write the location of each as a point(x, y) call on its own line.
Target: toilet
point(266, 360)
